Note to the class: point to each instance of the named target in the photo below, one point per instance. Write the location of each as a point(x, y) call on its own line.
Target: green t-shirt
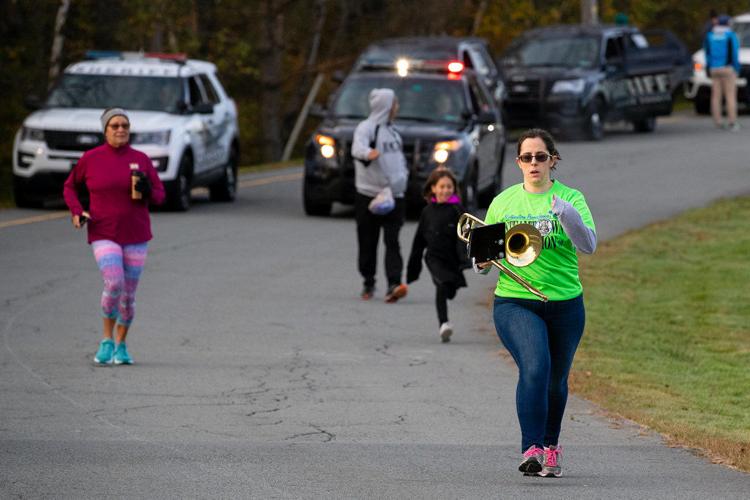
point(555, 271)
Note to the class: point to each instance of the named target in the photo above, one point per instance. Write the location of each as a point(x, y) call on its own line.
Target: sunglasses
point(539, 157)
point(115, 126)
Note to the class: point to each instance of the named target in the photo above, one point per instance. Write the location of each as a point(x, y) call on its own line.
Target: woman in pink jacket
point(121, 182)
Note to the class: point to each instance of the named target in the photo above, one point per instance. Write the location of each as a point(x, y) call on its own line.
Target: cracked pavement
point(260, 374)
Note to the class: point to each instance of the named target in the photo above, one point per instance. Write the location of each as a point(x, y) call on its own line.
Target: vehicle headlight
point(568, 86)
point(160, 138)
point(327, 145)
point(32, 134)
point(443, 149)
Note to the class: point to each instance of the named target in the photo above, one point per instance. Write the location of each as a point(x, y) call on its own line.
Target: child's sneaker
point(396, 292)
point(532, 461)
point(104, 354)
point(121, 355)
point(367, 292)
point(446, 330)
point(552, 461)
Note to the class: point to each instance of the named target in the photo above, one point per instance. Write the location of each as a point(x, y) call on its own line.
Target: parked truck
point(572, 79)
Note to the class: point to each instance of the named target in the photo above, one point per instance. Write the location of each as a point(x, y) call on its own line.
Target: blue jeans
point(542, 338)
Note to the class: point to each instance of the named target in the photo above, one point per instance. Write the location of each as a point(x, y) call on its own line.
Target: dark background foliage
point(269, 51)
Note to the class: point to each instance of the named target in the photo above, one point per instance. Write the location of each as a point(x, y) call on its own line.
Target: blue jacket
point(722, 48)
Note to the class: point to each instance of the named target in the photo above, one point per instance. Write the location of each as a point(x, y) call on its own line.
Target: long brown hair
point(433, 179)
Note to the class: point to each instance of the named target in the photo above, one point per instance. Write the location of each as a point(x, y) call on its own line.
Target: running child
point(437, 242)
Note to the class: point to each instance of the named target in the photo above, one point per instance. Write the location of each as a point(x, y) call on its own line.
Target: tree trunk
point(270, 49)
point(57, 43)
point(478, 17)
point(312, 58)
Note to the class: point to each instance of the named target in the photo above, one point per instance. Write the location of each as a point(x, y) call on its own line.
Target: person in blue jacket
point(721, 47)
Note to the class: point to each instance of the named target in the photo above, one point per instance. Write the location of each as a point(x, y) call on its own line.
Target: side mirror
point(338, 76)
point(486, 117)
point(203, 108)
point(317, 111)
point(180, 106)
point(32, 102)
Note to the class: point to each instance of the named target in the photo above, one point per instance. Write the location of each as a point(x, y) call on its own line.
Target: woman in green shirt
point(541, 336)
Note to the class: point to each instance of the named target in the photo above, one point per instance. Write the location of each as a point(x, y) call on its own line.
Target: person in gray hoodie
point(379, 163)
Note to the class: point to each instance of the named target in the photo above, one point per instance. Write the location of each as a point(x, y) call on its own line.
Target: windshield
point(578, 52)
point(421, 99)
point(743, 33)
point(143, 93)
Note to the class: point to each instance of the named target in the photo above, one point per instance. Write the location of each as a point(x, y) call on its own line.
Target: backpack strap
point(373, 143)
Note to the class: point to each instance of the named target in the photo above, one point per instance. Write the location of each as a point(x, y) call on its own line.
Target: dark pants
point(368, 234)
point(443, 293)
point(542, 338)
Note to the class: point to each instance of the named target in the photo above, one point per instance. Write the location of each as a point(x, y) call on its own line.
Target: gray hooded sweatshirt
point(389, 169)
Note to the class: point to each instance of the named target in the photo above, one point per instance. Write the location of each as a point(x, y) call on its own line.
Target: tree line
point(268, 52)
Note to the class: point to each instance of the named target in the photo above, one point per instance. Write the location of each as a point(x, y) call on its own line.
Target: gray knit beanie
point(110, 113)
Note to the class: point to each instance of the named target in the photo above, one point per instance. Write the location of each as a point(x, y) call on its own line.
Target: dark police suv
point(447, 117)
point(573, 78)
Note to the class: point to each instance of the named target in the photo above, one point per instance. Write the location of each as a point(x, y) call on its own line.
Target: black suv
point(446, 118)
point(472, 52)
point(573, 78)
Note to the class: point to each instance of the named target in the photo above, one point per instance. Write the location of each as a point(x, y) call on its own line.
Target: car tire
point(22, 199)
point(178, 190)
point(226, 188)
point(594, 125)
point(702, 106)
point(645, 125)
point(315, 207)
point(469, 191)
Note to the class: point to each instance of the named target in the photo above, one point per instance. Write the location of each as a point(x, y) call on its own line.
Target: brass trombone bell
point(523, 244)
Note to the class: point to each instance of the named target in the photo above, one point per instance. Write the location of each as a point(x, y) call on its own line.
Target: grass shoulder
point(265, 167)
point(667, 340)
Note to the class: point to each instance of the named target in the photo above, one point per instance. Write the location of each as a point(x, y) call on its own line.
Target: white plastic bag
point(383, 202)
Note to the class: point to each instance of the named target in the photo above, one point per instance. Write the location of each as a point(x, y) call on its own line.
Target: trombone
point(523, 244)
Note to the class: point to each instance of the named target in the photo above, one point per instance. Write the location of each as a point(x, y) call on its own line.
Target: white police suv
point(180, 116)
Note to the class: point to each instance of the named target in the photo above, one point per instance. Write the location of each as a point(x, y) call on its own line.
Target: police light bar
point(455, 67)
point(402, 67)
point(179, 57)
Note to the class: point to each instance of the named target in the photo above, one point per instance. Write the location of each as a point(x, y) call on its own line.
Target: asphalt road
point(260, 374)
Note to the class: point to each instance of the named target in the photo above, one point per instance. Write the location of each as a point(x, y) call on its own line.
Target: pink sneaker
point(532, 461)
point(552, 461)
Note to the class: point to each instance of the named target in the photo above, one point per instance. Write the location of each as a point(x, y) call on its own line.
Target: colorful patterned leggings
point(121, 267)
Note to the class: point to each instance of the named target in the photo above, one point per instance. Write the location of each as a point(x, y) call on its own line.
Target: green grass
point(667, 340)
point(264, 167)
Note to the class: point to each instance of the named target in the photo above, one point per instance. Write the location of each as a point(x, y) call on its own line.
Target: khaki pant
point(724, 83)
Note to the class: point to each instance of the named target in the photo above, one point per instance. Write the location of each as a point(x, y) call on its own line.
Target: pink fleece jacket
point(105, 171)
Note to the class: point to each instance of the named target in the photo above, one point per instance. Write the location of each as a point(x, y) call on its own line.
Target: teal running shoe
point(104, 354)
point(121, 355)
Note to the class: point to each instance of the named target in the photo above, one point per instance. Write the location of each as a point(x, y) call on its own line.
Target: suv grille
point(416, 155)
point(527, 89)
point(72, 141)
